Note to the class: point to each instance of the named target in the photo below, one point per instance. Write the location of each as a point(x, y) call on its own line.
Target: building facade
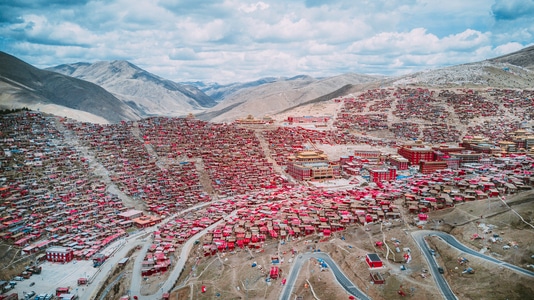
point(312, 165)
point(429, 167)
point(416, 152)
point(382, 174)
point(59, 254)
point(398, 162)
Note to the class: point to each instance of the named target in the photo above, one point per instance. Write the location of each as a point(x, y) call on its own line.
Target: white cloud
point(315, 48)
point(507, 48)
point(236, 40)
point(416, 40)
point(194, 32)
point(467, 40)
point(250, 8)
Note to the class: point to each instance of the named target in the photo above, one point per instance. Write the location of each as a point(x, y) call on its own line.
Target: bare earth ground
point(489, 281)
point(231, 275)
point(11, 261)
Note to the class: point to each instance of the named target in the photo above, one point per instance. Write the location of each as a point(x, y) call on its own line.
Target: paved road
point(338, 274)
point(419, 237)
point(453, 242)
point(123, 246)
point(135, 285)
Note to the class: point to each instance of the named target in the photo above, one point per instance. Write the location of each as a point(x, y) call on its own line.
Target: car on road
point(432, 251)
point(440, 270)
point(32, 284)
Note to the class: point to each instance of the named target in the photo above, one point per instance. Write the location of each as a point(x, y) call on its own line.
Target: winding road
point(342, 279)
point(419, 237)
point(451, 240)
point(443, 285)
point(338, 274)
point(135, 285)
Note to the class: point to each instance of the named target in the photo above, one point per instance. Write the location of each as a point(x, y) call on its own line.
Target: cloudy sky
point(241, 40)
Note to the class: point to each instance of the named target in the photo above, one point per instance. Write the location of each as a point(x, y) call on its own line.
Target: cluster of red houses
point(53, 197)
point(315, 120)
point(295, 211)
point(495, 130)
point(137, 172)
point(518, 102)
point(363, 122)
point(418, 104)
point(283, 142)
point(380, 105)
point(472, 150)
point(49, 199)
point(469, 104)
point(177, 231)
point(231, 156)
point(157, 258)
point(365, 112)
point(299, 211)
point(368, 112)
point(445, 188)
point(405, 130)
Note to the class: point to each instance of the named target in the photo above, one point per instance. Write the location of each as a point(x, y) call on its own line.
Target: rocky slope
point(281, 95)
point(523, 58)
point(481, 74)
point(22, 85)
point(145, 92)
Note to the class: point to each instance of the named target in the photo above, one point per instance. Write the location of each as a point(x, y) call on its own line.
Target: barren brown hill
point(510, 71)
point(523, 58)
point(22, 85)
point(278, 96)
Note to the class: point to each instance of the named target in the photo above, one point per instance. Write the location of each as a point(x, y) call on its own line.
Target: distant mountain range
point(145, 92)
point(118, 90)
point(219, 92)
point(24, 85)
point(279, 95)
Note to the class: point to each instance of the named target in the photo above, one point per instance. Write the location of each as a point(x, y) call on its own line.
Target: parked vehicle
point(12, 296)
point(34, 269)
point(29, 295)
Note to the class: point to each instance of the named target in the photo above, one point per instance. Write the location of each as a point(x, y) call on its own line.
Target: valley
point(279, 177)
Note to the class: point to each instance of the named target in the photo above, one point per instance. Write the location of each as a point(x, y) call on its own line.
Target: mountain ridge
point(279, 95)
point(26, 85)
point(124, 91)
point(147, 93)
point(522, 58)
